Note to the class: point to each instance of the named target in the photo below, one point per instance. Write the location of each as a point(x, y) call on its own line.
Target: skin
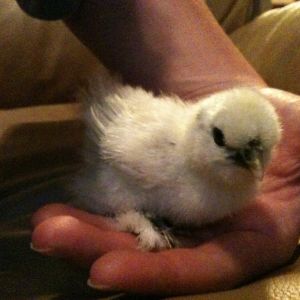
point(177, 46)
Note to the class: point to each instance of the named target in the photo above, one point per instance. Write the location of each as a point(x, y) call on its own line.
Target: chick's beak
point(251, 159)
point(256, 168)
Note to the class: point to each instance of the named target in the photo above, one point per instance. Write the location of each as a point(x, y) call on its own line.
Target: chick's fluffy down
point(158, 156)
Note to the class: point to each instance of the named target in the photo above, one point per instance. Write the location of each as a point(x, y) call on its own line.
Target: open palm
point(224, 255)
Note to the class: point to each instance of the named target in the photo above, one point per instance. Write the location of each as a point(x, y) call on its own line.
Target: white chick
point(190, 163)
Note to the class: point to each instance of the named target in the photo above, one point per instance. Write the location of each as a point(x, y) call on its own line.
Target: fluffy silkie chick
point(189, 163)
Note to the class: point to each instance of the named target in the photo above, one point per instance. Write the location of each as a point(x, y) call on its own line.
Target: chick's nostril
point(247, 154)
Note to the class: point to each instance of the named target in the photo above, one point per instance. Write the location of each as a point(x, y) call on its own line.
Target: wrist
point(169, 46)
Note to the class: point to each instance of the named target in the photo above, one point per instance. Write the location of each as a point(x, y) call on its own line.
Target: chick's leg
point(148, 235)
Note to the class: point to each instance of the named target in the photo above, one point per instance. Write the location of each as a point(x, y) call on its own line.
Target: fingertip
point(67, 236)
point(125, 271)
point(109, 271)
point(48, 211)
point(57, 209)
point(50, 232)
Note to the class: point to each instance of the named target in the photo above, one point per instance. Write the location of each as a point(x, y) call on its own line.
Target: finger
point(56, 209)
point(68, 237)
point(217, 265)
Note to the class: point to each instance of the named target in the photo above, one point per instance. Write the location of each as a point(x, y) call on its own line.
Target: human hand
point(256, 240)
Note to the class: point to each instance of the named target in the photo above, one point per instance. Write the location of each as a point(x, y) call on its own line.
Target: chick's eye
point(218, 137)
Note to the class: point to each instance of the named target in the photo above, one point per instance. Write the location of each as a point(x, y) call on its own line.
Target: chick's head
point(232, 135)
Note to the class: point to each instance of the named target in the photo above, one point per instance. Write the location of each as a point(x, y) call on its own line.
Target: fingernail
point(40, 250)
point(98, 286)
